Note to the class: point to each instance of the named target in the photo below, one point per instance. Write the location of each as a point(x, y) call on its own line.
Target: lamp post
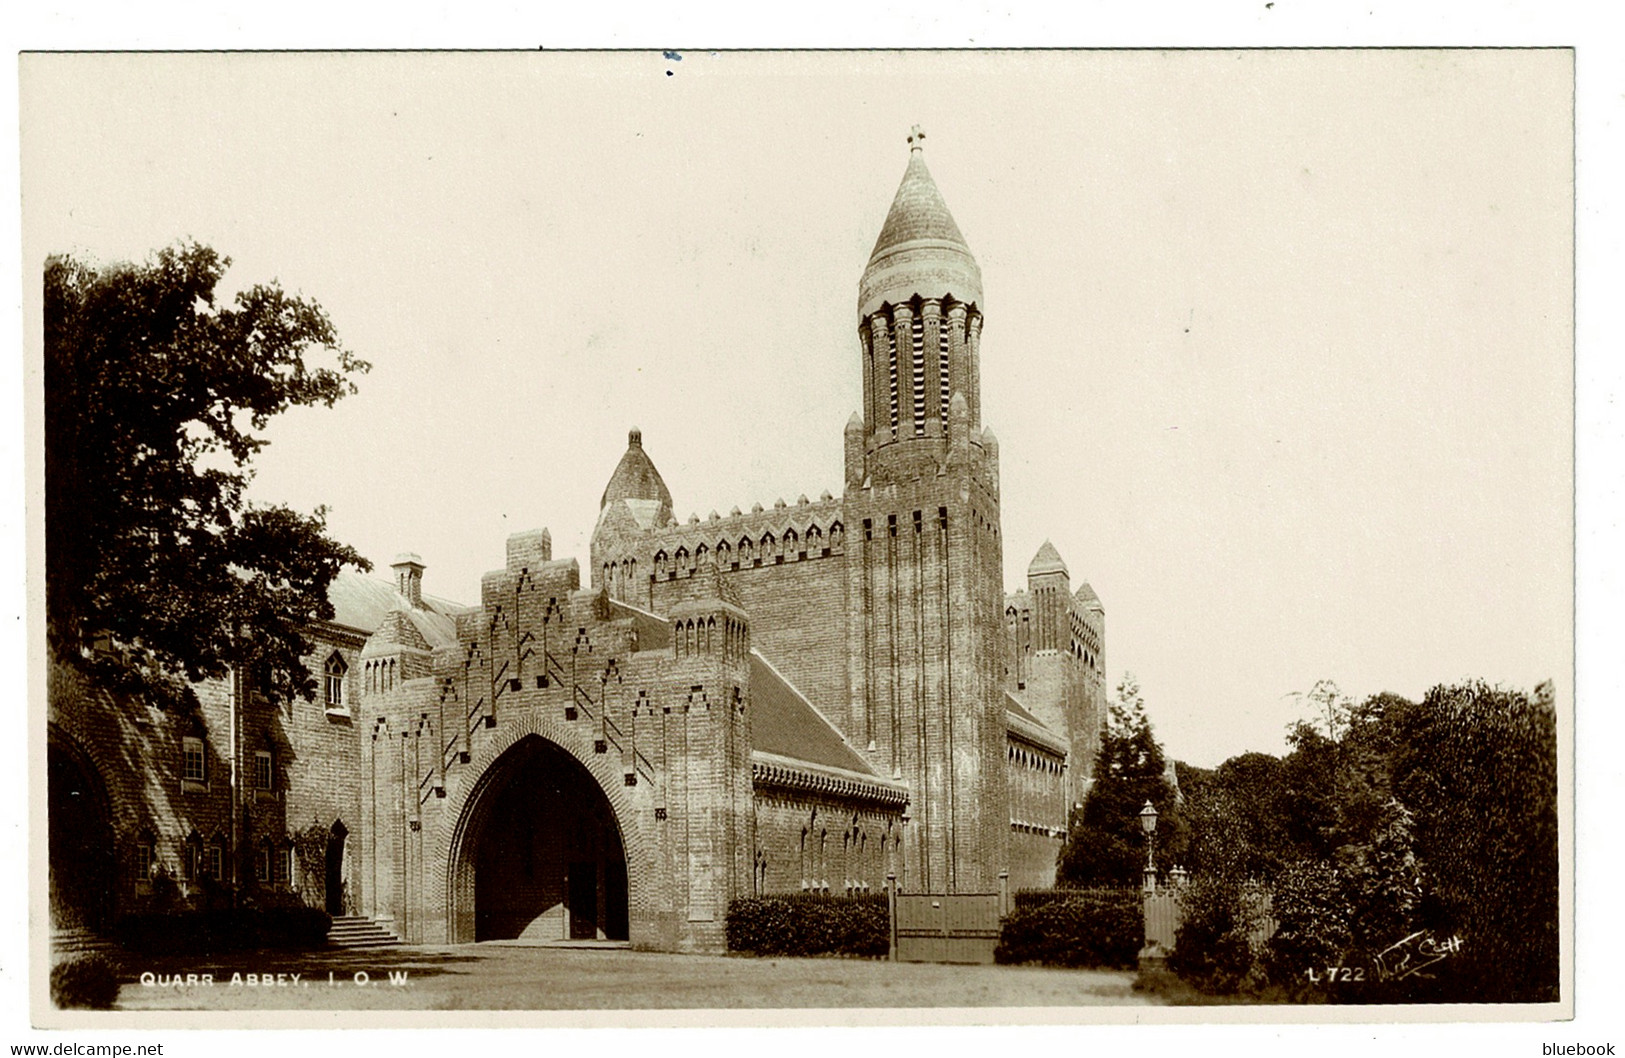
point(1148, 823)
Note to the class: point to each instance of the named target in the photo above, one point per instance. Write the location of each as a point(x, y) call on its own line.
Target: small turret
point(1047, 560)
point(854, 451)
point(637, 483)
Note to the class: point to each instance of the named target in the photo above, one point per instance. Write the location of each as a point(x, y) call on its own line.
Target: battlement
point(784, 533)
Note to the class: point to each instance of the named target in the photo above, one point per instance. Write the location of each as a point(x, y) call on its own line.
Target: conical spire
point(1048, 560)
point(921, 251)
point(917, 210)
point(636, 478)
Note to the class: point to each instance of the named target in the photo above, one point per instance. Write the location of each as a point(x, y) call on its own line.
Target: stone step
point(77, 941)
point(358, 931)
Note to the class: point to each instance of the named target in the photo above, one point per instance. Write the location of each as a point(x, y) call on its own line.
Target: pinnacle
point(917, 211)
point(1048, 560)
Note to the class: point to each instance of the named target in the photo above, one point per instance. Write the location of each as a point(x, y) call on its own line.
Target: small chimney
point(409, 578)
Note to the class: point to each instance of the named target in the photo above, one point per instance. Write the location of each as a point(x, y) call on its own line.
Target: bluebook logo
point(1576, 1048)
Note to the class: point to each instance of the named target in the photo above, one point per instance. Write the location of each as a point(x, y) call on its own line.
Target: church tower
point(925, 554)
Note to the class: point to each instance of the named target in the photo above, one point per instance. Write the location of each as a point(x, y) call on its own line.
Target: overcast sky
point(1277, 345)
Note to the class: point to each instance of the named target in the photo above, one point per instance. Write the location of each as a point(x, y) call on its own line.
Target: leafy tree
point(155, 393)
point(1478, 767)
point(1398, 820)
point(1240, 820)
point(1105, 845)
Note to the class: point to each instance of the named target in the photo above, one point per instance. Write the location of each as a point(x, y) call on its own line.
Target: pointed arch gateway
point(537, 853)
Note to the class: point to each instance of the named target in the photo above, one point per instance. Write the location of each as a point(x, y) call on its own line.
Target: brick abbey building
point(812, 696)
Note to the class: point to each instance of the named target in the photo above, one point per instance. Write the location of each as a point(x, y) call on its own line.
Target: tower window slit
point(918, 334)
point(891, 349)
point(942, 360)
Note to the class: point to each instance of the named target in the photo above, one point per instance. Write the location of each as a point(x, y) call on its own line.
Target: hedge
point(89, 981)
point(810, 924)
point(239, 929)
point(1073, 927)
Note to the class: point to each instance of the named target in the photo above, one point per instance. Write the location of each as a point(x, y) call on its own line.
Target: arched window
point(333, 673)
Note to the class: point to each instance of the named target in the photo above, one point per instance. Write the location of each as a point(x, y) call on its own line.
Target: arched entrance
point(79, 823)
point(539, 854)
point(334, 881)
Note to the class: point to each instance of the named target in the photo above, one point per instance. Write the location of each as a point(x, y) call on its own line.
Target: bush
point(810, 924)
point(1314, 931)
point(90, 981)
point(1214, 945)
point(239, 929)
point(1073, 927)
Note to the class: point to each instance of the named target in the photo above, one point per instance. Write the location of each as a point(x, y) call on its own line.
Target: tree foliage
point(1395, 820)
point(155, 396)
point(1105, 845)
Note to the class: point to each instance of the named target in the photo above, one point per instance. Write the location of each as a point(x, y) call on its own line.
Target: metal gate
point(945, 927)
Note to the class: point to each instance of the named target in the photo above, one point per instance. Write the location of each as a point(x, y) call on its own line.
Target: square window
point(193, 767)
point(262, 770)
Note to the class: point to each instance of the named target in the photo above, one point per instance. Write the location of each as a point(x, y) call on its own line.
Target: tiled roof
point(917, 212)
point(361, 602)
point(1028, 726)
point(785, 723)
point(636, 478)
point(652, 630)
point(1048, 560)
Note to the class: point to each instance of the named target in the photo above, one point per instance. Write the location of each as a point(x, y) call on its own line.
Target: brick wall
point(135, 749)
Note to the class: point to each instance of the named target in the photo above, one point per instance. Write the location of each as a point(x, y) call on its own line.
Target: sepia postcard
point(716, 537)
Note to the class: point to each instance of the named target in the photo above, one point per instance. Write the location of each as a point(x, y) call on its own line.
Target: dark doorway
point(82, 859)
point(542, 858)
point(583, 901)
point(334, 882)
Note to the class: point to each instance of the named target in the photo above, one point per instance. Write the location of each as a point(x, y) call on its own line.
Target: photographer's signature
point(1408, 957)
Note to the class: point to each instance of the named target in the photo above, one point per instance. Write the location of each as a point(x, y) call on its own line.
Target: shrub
point(1073, 927)
point(810, 924)
point(206, 932)
point(89, 981)
point(1214, 945)
point(1315, 930)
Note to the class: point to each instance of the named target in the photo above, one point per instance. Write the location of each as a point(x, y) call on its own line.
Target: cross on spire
point(916, 138)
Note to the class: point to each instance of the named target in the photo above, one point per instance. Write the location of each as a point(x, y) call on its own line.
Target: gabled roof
point(783, 722)
point(360, 603)
point(1025, 725)
point(786, 724)
point(652, 630)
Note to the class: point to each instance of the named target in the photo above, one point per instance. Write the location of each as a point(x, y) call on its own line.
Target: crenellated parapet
point(627, 560)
